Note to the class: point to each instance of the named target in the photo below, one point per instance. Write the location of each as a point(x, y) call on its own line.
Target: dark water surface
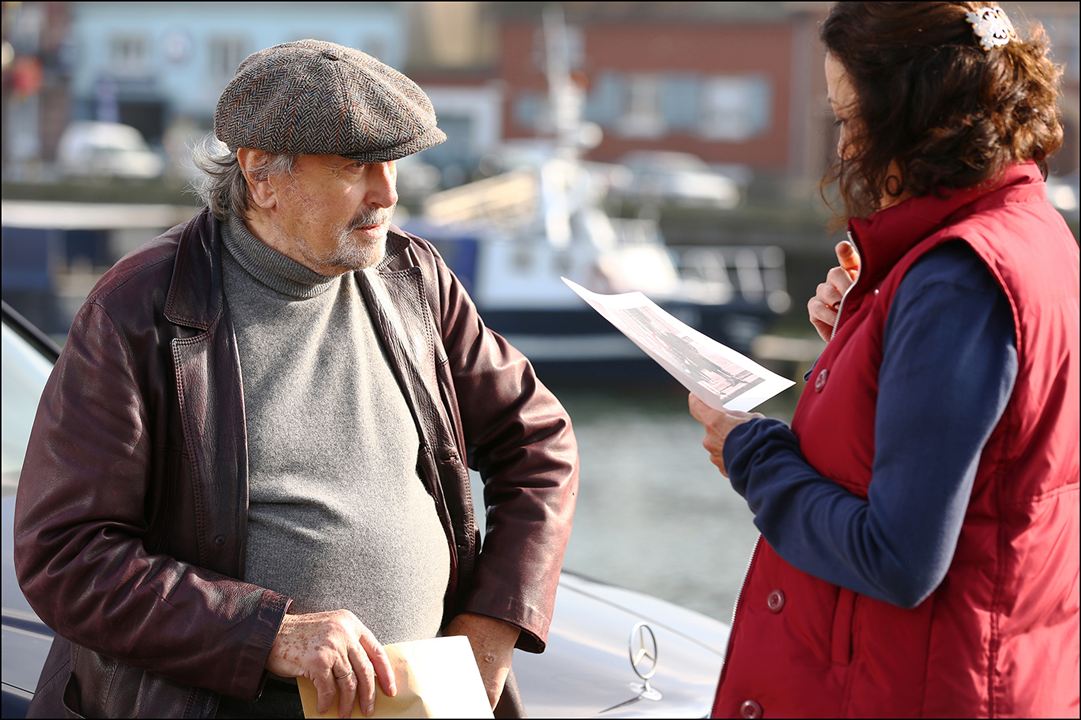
point(653, 513)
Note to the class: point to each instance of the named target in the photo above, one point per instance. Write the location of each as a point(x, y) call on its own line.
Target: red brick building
point(730, 83)
point(736, 83)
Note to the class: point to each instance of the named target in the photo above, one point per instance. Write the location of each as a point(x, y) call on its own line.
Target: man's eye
point(838, 122)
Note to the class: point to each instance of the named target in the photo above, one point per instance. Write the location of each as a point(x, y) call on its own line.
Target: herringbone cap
point(312, 97)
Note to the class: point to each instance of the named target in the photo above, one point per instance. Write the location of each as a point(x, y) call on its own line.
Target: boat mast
point(561, 171)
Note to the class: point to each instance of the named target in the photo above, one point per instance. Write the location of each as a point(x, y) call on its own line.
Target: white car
point(678, 178)
point(101, 149)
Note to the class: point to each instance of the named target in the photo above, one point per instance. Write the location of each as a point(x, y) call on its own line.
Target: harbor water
point(653, 514)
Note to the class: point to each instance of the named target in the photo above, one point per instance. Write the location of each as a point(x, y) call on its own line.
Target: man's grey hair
point(223, 187)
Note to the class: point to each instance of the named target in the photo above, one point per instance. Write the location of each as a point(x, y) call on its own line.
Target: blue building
point(156, 65)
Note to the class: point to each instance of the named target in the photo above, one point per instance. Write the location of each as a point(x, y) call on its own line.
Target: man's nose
point(383, 185)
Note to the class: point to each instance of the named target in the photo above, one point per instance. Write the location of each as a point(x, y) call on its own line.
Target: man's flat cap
point(311, 97)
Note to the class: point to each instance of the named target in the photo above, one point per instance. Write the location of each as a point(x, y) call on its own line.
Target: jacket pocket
point(841, 634)
point(70, 698)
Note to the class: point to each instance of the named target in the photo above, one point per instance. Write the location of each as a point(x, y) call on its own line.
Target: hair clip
point(992, 26)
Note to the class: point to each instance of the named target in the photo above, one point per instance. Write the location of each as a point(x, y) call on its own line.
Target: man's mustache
point(375, 216)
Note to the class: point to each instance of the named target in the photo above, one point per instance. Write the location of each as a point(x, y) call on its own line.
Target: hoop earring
point(893, 185)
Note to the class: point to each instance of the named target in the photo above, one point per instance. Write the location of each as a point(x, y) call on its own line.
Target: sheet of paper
point(718, 375)
point(436, 678)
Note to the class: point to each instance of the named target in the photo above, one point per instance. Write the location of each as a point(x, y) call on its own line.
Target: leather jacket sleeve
point(519, 438)
point(84, 551)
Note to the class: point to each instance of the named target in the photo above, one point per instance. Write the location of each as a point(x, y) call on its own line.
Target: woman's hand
point(822, 308)
point(718, 424)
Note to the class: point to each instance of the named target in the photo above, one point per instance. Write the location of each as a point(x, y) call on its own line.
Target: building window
point(735, 108)
point(226, 54)
point(642, 115)
point(128, 54)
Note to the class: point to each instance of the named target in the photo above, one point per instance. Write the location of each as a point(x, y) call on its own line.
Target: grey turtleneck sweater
point(338, 516)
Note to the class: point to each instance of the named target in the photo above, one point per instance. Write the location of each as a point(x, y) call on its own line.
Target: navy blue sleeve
point(949, 366)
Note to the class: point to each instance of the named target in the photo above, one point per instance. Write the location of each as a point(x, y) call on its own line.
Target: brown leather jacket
point(132, 503)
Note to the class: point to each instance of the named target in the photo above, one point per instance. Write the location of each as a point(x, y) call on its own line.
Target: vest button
point(219, 539)
point(750, 709)
point(775, 601)
point(820, 381)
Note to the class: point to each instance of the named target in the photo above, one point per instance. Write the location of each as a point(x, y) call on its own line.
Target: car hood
point(586, 668)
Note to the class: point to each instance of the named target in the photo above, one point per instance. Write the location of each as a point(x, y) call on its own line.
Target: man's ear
point(263, 193)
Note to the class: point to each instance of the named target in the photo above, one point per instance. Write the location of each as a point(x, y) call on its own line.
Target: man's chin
point(360, 255)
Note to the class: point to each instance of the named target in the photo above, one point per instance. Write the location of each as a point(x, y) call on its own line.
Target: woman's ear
point(262, 191)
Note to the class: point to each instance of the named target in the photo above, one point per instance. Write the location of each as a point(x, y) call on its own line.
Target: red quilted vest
point(999, 636)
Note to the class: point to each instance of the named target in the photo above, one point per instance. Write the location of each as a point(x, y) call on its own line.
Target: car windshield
point(25, 372)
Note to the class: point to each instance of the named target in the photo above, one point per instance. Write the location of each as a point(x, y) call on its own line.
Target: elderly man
point(249, 462)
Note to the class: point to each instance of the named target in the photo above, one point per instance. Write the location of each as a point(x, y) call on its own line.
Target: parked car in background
point(611, 652)
point(102, 149)
point(677, 178)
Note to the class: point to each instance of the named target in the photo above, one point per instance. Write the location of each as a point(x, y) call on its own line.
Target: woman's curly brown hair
point(948, 112)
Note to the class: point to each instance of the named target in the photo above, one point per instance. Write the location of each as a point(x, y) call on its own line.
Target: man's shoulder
point(141, 274)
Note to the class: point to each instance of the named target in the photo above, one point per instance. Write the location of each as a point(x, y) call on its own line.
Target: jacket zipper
point(754, 551)
point(841, 305)
point(757, 542)
point(735, 610)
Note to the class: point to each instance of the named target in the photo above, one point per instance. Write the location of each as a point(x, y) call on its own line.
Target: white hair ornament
point(992, 26)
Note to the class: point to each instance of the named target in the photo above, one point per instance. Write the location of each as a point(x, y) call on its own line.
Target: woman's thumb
point(848, 257)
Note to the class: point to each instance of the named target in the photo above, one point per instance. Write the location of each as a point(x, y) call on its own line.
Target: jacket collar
point(396, 256)
point(197, 291)
point(883, 238)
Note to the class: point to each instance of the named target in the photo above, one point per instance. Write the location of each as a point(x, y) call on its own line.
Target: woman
point(920, 518)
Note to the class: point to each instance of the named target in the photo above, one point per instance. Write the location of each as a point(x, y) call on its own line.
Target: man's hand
point(822, 308)
point(338, 654)
point(718, 424)
point(493, 646)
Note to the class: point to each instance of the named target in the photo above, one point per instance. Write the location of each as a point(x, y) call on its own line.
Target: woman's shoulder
point(955, 263)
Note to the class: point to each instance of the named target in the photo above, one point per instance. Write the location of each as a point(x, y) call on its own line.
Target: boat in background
point(511, 238)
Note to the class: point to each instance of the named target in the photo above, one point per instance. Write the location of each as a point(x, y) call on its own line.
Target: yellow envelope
point(435, 678)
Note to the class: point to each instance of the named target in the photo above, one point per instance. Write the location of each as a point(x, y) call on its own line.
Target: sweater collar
point(884, 237)
point(270, 267)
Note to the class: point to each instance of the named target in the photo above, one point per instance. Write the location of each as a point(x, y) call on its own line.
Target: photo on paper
point(718, 375)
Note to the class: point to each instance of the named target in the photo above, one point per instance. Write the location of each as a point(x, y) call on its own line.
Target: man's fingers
point(365, 676)
point(346, 681)
point(848, 257)
point(380, 663)
point(325, 689)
